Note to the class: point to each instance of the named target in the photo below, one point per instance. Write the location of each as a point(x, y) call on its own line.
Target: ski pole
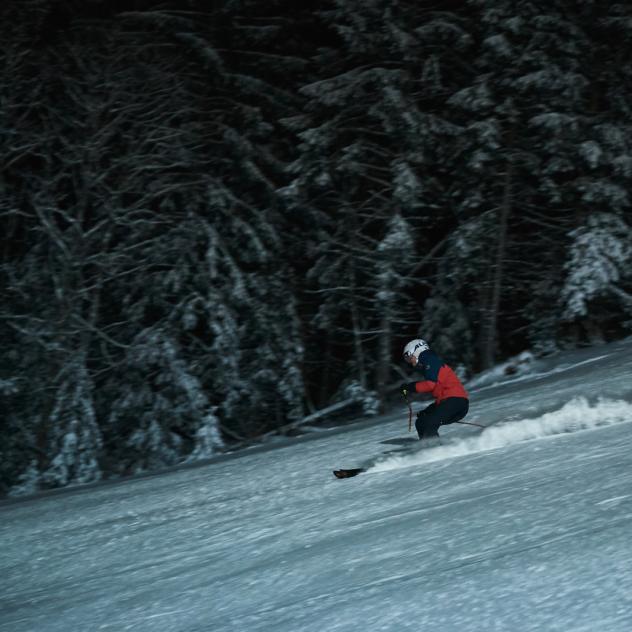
point(469, 423)
point(410, 412)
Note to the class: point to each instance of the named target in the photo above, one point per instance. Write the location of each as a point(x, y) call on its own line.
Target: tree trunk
point(384, 359)
point(490, 324)
point(357, 336)
point(324, 391)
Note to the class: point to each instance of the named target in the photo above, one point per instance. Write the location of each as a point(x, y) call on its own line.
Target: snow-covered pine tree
point(392, 260)
point(154, 160)
point(530, 81)
point(73, 436)
point(598, 276)
point(272, 355)
point(586, 168)
point(371, 138)
point(446, 318)
point(160, 415)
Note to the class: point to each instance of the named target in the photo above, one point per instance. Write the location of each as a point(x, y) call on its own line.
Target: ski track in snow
point(526, 377)
point(575, 416)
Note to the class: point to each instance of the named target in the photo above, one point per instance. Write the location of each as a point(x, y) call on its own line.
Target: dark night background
point(220, 217)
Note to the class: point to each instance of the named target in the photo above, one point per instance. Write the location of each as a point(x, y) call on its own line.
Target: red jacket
point(440, 380)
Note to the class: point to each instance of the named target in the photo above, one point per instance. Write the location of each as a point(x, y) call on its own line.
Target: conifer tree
point(372, 146)
point(530, 81)
point(598, 277)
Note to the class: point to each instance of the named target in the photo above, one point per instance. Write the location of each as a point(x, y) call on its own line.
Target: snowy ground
point(527, 526)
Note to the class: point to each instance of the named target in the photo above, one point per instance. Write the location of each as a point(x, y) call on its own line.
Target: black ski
point(348, 473)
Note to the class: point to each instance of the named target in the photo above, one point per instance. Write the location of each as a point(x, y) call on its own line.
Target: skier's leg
point(421, 417)
point(428, 422)
point(447, 412)
point(453, 409)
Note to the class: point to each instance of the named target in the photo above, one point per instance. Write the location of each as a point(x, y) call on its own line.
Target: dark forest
point(219, 218)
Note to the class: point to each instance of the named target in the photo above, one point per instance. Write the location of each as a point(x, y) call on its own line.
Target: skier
point(451, 399)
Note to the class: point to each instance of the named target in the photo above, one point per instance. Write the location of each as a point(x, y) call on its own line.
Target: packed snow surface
point(525, 526)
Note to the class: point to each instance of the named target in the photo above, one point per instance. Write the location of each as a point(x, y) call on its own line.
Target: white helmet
point(415, 348)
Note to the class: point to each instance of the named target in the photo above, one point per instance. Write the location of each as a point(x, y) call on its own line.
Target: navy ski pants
point(446, 412)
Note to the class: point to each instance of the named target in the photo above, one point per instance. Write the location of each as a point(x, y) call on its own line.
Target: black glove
point(407, 388)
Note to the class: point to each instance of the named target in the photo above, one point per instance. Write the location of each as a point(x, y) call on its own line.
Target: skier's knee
point(419, 424)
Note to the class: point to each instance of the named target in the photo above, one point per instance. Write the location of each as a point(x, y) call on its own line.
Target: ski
point(348, 473)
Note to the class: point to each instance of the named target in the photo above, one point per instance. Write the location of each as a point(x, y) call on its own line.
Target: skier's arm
point(427, 386)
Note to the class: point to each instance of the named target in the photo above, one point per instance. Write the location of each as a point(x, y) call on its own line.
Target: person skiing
point(451, 399)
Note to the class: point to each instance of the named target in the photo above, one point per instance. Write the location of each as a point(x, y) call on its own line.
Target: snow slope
point(527, 526)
